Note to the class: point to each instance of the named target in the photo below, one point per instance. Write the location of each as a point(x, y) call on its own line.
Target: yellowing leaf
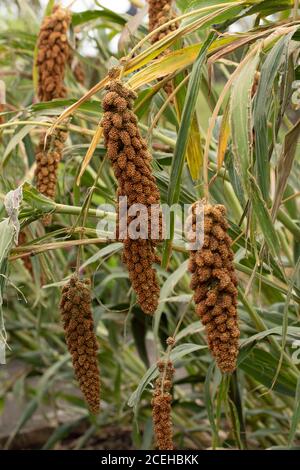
point(194, 151)
point(96, 138)
point(167, 64)
point(99, 86)
point(223, 137)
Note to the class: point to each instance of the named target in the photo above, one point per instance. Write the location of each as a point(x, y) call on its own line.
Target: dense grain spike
point(160, 12)
point(52, 59)
point(131, 161)
point(81, 340)
point(214, 283)
point(161, 406)
point(53, 54)
point(47, 160)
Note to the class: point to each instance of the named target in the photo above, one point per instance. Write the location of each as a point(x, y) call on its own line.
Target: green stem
point(285, 219)
point(76, 210)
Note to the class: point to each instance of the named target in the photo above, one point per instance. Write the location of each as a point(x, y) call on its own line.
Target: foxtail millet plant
point(161, 406)
point(47, 159)
point(52, 59)
point(214, 283)
point(160, 12)
point(131, 162)
point(53, 54)
point(75, 307)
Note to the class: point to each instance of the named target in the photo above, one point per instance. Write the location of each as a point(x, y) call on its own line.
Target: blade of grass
point(183, 136)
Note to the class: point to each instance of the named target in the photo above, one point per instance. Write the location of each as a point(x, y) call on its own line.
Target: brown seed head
point(160, 12)
point(161, 407)
point(131, 162)
point(81, 340)
point(214, 284)
point(53, 54)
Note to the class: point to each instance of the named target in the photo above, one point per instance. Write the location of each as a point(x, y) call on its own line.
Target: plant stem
point(72, 127)
point(76, 210)
point(296, 8)
point(30, 250)
point(86, 211)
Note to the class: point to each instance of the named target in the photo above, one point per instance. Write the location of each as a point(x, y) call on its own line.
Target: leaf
point(277, 330)
point(182, 298)
point(296, 415)
point(41, 389)
point(131, 27)
point(166, 289)
point(139, 332)
point(96, 138)
point(49, 7)
point(37, 200)
point(268, 7)
point(223, 137)
point(192, 329)
point(185, 124)
point(262, 365)
point(7, 233)
point(177, 353)
point(263, 217)
point(70, 110)
point(16, 140)
point(194, 151)
point(262, 105)
point(85, 16)
point(208, 398)
point(61, 432)
point(285, 165)
point(107, 250)
point(165, 65)
point(241, 116)
point(183, 135)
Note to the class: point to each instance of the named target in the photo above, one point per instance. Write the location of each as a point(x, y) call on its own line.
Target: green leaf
point(90, 15)
point(111, 249)
point(241, 117)
point(186, 120)
point(261, 365)
point(49, 7)
point(177, 353)
point(209, 394)
point(183, 135)
point(139, 332)
point(166, 289)
point(296, 415)
point(262, 105)
point(263, 217)
point(37, 200)
point(277, 330)
point(41, 389)
point(16, 140)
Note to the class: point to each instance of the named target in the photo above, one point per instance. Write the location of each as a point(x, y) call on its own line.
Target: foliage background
point(235, 124)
